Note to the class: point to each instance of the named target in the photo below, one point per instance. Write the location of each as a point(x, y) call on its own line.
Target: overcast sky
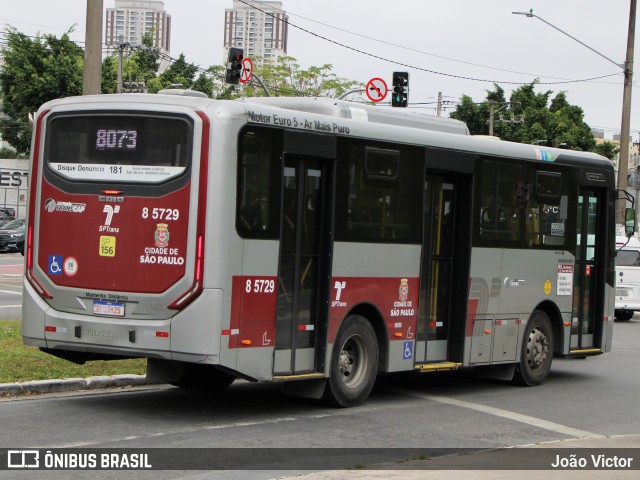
point(480, 40)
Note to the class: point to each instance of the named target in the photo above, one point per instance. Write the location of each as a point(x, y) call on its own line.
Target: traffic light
point(234, 66)
point(400, 96)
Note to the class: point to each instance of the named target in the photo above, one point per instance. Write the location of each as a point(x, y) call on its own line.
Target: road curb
point(71, 384)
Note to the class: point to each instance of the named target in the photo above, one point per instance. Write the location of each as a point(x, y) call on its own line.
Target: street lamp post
point(627, 67)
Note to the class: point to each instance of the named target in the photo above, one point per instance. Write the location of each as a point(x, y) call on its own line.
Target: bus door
point(301, 315)
point(443, 283)
point(590, 269)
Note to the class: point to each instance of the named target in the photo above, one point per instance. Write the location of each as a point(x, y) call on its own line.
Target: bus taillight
point(184, 299)
point(32, 280)
point(32, 209)
point(198, 274)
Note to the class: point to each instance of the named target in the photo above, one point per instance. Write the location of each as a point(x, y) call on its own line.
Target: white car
point(627, 277)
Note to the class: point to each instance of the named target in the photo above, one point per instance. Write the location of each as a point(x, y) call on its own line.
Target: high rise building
point(130, 20)
point(259, 28)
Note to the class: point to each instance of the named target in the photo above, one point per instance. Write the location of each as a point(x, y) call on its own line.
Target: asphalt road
point(585, 399)
point(11, 274)
point(588, 398)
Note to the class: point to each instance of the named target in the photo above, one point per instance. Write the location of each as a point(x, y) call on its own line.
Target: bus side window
point(501, 200)
point(376, 193)
point(258, 186)
point(547, 209)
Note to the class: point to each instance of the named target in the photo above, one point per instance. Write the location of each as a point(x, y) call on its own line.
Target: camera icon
point(23, 459)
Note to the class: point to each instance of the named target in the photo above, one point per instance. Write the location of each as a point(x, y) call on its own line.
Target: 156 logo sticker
point(107, 246)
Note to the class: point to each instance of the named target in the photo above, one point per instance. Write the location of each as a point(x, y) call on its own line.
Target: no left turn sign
point(376, 89)
point(247, 70)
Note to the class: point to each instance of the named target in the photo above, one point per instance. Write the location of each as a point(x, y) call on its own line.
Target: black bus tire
point(623, 315)
point(537, 351)
point(354, 363)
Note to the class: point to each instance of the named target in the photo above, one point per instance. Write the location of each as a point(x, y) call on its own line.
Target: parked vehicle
point(8, 212)
point(627, 278)
point(12, 236)
point(5, 218)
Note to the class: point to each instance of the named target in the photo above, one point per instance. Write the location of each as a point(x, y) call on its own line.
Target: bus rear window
point(118, 148)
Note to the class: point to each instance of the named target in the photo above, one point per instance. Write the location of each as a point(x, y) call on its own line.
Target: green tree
point(36, 70)
point(7, 153)
point(287, 78)
point(109, 81)
point(607, 149)
point(139, 64)
point(179, 73)
point(528, 117)
point(204, 83)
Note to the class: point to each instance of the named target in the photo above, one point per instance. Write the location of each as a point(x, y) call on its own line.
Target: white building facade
point(129, 21)
point(259, 28)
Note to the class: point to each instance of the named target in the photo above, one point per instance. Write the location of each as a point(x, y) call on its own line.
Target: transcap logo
point(50, 205)
point(23, 459)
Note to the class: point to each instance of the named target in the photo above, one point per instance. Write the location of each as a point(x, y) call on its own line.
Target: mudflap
point(305, 388)
point(163, 371)
point(496, 372)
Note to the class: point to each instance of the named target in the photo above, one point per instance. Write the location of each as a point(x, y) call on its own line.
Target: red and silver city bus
point(310, 241)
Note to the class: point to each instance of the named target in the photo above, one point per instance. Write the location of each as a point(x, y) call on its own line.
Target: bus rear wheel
point(354, 363)
point(624, 315)
point(206, 378)
point(537, 351)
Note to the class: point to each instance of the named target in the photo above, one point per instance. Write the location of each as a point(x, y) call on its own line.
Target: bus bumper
point(175, 338)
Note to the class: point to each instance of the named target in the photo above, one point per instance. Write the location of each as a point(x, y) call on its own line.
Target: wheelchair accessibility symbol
point(407, 351)
point(55, 264)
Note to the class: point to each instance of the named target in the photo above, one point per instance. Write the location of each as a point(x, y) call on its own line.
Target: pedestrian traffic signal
point(400, 96)
point(234, 66)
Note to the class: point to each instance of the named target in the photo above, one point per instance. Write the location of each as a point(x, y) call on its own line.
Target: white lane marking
point(180, 431)
point(187, 430)
point(11, 306)
point(11, 292)
point(498, 412)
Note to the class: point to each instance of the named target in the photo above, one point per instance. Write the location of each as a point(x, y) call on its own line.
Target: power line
point(415, 67)
point(411, 49)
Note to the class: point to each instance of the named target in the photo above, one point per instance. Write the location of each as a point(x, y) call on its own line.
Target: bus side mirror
point(629, 222)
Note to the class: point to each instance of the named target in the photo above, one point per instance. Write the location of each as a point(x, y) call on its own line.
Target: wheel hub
point(538, 349)
point(351, 362)
point(346, 362)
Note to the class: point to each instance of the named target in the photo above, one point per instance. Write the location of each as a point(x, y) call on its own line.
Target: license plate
point(622, 293)
point(108, 308)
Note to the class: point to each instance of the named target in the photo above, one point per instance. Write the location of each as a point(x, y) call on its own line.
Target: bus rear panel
point(115, 243)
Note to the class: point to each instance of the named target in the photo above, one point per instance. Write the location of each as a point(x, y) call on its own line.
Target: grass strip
point(22, 363)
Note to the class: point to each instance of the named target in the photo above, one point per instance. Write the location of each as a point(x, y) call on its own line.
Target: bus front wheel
point(354, 363)
point(537, 351)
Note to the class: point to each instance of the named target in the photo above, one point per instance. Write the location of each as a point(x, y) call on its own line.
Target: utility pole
point(121, 48)
point(623, 164)
point(491, 117)
point(439, 104)
point(91, 83)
